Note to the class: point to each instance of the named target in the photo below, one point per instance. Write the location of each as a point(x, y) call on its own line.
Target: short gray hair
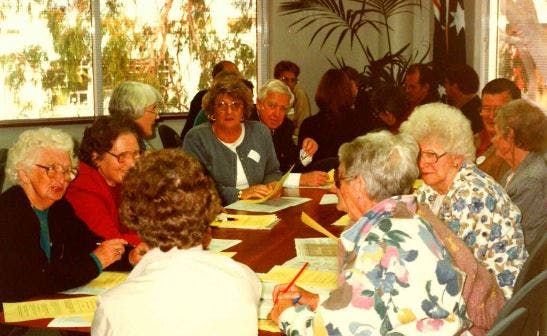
point(387, 163)
point(23, 152)
point(528, 122)
point(443, 124)
point(277, 86)
point(129, 99)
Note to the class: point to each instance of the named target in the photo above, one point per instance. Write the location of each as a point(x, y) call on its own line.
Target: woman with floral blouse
point(470, 202)
point(395, 276)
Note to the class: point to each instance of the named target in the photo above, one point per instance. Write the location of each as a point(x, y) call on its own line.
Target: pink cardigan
point(96, 203)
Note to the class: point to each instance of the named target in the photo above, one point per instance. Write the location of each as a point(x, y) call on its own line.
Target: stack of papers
point(309, 278)
point(251, 222)
point(269, 206)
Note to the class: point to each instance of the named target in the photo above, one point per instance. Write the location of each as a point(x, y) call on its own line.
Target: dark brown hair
point(100, 136)
point(286, 66)
point(334, 93)
point(169, 199)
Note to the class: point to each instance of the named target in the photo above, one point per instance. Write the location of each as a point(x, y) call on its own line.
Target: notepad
point(309, 278)
point(275, 190)
point(33, 310)
point(250, 222)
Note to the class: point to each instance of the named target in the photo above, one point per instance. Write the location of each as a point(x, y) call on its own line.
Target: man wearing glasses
point(495, 94)
point(288, 73)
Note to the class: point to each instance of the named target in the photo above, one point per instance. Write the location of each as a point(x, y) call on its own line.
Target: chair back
point(532, 297)
point(510, 325)
point(535, 264)
point(169, 137)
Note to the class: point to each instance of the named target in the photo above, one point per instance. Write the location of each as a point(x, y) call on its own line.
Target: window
point(47, 54)
point(518, 45)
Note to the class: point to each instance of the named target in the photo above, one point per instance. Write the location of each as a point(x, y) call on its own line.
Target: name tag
point(253, 155)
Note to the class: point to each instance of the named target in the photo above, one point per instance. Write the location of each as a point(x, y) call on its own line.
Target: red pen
point(292, 281)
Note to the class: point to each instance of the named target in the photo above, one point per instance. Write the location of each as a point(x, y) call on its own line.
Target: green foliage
point(334, 20)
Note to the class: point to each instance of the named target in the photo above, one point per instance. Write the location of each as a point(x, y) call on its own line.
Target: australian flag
point(449, 35)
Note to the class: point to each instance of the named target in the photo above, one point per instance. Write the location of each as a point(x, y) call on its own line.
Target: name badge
point(253, 155)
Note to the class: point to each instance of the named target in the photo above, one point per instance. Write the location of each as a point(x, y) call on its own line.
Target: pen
point(296, 299)
point(293, 281)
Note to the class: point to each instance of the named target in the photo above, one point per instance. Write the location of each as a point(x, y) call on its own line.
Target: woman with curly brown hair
point(238, 153)
point(108, 150)
point(178, 287)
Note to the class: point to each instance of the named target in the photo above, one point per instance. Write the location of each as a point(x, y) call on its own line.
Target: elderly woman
point(239, 154)
point(178, 288)
point(139, 102)
point(273, 101)
point(470, 202)
point(108, 150)
point(521, 140)
point(395, 277)
point(44, 247)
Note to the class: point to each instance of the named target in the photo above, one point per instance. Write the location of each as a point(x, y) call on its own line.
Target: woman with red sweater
point(108, 150)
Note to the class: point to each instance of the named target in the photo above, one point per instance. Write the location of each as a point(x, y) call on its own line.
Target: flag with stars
point(449, 35)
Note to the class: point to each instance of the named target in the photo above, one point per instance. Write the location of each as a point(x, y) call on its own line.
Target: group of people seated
point(440, 258)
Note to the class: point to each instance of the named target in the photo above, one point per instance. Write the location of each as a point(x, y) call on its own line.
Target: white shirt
point(181, 292)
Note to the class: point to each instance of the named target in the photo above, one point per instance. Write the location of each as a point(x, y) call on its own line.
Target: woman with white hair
point(44, 246)
point(470, 202)
point(395, 276)
point(136, 101)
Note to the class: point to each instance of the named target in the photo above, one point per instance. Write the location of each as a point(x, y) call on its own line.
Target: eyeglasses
point(289, 79)
point(275, 106)
point(430, 157)
point(224, 106)
point(124, 157)
point(338, 179)
point(51, 170)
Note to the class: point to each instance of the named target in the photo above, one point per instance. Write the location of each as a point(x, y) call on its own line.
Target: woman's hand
point(256, 191)
point(110, 251)
point(309, 146)
point(137, 253)
point(295, 295)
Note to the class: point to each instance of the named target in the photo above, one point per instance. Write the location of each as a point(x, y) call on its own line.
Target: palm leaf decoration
point(333, 20)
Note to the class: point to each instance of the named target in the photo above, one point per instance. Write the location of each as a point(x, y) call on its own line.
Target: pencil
point(293, 280)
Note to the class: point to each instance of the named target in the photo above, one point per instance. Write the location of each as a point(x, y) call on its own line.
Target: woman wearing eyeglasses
point(238, 153)
point(470, 202)
point(395, 275)
point(108, 150)
point(44, 246)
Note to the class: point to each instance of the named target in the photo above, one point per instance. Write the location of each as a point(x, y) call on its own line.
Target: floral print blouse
point(395, 279)
point(479, 211)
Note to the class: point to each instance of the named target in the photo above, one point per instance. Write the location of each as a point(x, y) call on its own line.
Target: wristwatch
point(239, 194)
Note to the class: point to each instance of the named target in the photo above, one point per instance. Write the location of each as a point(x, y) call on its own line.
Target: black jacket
point(24, 268)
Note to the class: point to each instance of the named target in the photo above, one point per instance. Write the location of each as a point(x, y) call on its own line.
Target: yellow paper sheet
point(342, 221)
point(108, 280)
point(267, 325)
point(331, 176)
point(33, 310)
point(276, 188)
point(316, 226)
point(227, 254)
point(308, 278)
point(253, 222)
point(417, 183)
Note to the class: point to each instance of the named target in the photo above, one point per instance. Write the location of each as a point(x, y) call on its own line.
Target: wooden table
point(263, 249)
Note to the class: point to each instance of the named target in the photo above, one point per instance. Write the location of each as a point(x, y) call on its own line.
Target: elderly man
point(495, 94)
point(274, 100)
